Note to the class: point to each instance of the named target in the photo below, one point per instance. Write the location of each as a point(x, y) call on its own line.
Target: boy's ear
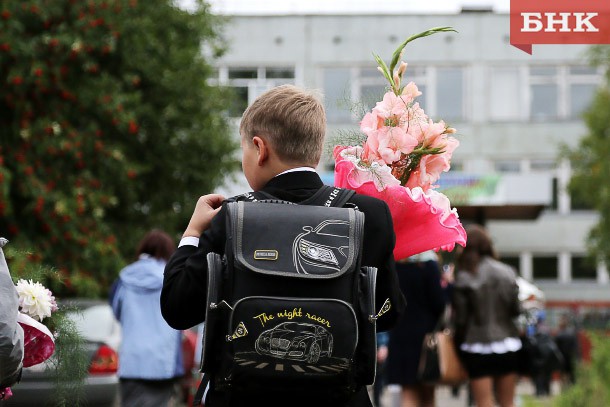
point(262, 149)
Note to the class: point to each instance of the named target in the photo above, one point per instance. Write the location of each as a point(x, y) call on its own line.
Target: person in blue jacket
point(150, 355)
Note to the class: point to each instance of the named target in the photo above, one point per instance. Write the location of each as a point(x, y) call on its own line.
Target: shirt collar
point(297, 169)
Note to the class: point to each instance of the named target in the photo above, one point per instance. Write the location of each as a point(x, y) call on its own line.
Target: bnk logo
point(559, 22)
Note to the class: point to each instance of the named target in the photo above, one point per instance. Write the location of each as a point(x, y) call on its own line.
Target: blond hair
point(292, 120)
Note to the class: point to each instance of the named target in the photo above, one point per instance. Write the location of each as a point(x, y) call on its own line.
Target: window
point(544, 93)
point(511, 261)
point(582, 269)
point(545, 267)
point(351, 92)
point(541, 92)
point(505, 94)
point(507, 166)
point(581, 96)
point(449, 93)
point(249, 82)
point(543, 165)
point(337, 94)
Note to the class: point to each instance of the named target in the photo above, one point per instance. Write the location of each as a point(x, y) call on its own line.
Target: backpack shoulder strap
point(329, 196)
point(325, 196)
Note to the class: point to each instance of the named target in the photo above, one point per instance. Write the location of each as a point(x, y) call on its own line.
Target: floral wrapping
point(400, 162)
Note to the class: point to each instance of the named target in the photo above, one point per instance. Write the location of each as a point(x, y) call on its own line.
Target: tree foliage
point(107, 128)
point(590, 163)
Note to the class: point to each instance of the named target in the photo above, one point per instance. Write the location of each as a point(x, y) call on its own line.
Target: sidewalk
point(444, 398)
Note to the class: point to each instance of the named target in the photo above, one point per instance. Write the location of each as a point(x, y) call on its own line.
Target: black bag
point(539, 353)
point(289, 305)
point(439, 361)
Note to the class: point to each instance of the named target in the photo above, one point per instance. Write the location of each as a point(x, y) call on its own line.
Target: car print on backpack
point(322, 249)
point(295, 341)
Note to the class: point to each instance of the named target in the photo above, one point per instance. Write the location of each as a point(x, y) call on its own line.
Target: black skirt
point(493, 364)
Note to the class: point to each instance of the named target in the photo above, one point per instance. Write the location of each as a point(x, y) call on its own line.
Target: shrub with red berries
point(107, 128)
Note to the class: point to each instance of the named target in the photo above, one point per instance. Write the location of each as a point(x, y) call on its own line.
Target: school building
point(513, 113)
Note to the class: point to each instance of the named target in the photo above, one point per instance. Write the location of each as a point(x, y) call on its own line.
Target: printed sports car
point(295, 341)
point(323, 249)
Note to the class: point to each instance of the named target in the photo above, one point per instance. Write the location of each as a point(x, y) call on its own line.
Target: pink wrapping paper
point(422, 221)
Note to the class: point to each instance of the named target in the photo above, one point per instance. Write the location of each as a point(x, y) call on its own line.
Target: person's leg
point(505, 389)
point(426, 393)
point(482, 391)
point(410, 396)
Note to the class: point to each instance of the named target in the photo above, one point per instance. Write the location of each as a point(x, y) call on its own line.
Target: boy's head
point(287, 125)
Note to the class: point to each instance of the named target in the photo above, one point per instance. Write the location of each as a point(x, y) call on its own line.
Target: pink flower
point(350, 168)
point(394, 141)
point(431, 166)
point(370, 123)
point(411, 91)
point(391, 106)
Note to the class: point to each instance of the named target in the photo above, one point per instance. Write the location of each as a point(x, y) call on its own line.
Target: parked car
point(102, 334)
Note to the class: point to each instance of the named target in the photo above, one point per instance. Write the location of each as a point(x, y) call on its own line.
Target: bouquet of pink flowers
point(400, 161)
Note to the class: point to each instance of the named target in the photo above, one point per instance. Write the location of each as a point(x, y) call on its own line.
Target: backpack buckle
point(384, 308)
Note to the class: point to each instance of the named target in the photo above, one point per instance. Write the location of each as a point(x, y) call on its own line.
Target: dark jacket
point(184, 287)
point(486, 303)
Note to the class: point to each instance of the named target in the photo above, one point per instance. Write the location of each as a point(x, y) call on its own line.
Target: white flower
point(35, 299)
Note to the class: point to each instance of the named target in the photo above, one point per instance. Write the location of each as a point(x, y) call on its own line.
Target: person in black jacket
point(282, 139)
point(419, 277)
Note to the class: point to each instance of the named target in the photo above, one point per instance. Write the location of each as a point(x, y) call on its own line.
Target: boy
point(282, 136)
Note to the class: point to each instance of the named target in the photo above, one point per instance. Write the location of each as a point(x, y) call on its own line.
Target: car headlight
point(317, 252)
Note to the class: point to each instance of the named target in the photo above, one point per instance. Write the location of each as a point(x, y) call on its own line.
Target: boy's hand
point(207, 207)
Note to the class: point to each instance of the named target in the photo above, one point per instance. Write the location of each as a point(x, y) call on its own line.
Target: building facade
point(513, 113)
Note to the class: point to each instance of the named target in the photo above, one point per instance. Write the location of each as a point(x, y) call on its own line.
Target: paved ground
point(444, 398)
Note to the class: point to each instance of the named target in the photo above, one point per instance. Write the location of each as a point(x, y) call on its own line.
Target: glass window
point(457, 165)
point(337, 93)
point(239, 101)
point(583, 269)
point(555, 194)
point(422, 99)
point(371, 94)
point(543, 165)
point(281, 73)
point(243, 73)
point(581, 96)
point(511, 261)
point(449, 93)
point(507, 166)
point(545, 267)
point(543, 101)
point(504, 94)
point(583, 70)
point(370, 73)
point(543, 71)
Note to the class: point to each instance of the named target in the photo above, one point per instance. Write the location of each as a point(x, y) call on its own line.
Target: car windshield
point(334, 229)
point(301, 328)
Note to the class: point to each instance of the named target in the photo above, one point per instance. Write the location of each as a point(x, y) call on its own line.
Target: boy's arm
point(183, 296)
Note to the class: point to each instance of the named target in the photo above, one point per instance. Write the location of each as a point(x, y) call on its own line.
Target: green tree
point(107, 128)
point(590, 163)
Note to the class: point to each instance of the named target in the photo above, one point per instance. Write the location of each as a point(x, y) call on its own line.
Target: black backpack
point(289, 307)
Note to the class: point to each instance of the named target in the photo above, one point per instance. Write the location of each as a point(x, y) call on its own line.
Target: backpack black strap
point(325, 196)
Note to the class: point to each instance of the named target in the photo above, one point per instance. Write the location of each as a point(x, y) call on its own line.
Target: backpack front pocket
point(291, 339)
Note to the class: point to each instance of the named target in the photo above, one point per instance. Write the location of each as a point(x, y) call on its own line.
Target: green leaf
point(396, 55)
point(384, 69)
